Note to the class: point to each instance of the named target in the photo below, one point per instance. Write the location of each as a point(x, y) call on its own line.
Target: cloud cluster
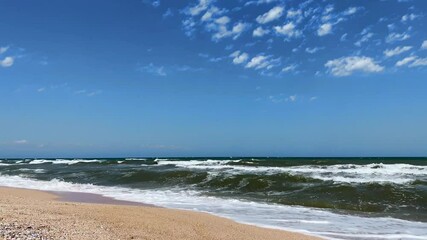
point(289, 68)
point(366, 35)
point(345, 66)
point(259, 32)
point(288, 30)
point(302, 25)
point(7, 61)
point(282, 98)
point(239, 58)
point(396, 51)
point(409, 17)
point(22, 141)
point(213, 20)
point(274, 14)
point(262, 62)
point(412, 61)
point(324, 29)
point(394, 37)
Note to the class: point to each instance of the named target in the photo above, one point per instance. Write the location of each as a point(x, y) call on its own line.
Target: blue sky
point(213, 78)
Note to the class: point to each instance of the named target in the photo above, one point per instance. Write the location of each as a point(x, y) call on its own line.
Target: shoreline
point(69, 215)
point(93, 198)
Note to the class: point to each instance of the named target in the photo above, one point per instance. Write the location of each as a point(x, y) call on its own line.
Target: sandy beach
point(30, 214)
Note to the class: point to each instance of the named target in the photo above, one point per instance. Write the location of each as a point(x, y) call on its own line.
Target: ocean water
point(337, 198)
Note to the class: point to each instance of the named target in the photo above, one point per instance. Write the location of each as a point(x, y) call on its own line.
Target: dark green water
point(365, 187)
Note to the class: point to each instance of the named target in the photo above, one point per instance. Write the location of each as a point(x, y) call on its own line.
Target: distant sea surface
point(337, 198)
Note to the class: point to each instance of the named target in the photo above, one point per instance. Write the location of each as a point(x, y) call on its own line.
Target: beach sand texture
point(30, 214)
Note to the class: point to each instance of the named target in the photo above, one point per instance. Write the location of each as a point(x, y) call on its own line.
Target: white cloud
point(223, 20)
point(188, 25)
point(392, 37)
point(154, 3)
point(293, 13)
point(312, 50)
point(3, 49)
point(287, 30)
point(396, 51)
point(81, 91)
point(405, 61)
point(7, 62)
point(292, 98)
point(345, 66)
point(257, 62)
point(351, 10)
point(391, 26)
point(186, 68)
point(222, 31)
point(259, 2)
point(239, 28)
point(412, 61)
point(280, 98)
point(259, 32)
point(23, 141)
point(153, 69)
point(366, 30)
point(289, 68)
point(42, 89)
point(419, 62)
point(216, 59)
point(329, 9)
point(365, 37)
point(324, 29)
point(271, 15)
point(262, 62)
point(212, 19)
point(408, 17)
point(203, 55)
point(210, 13)
point(88, 93)
point(314, 98)
point(197, 9)
point(275, 99)
point(239, 58)
point(168, 13)
point(94, 93)
point(424, 45)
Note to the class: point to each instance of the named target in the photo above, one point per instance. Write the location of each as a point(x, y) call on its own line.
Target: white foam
point(347, 173)
point(35, 170)
point(302, 219)
point(64, 161)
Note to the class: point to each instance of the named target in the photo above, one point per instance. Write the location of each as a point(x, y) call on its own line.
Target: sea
point(335, 198)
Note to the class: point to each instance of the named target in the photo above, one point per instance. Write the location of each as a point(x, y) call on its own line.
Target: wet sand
point(79, 197)
point(30, 214)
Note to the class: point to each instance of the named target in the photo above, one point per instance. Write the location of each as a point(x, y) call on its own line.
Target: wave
point(64, 161)
point(302, 219)
point(35, 170)
point(340, 173)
